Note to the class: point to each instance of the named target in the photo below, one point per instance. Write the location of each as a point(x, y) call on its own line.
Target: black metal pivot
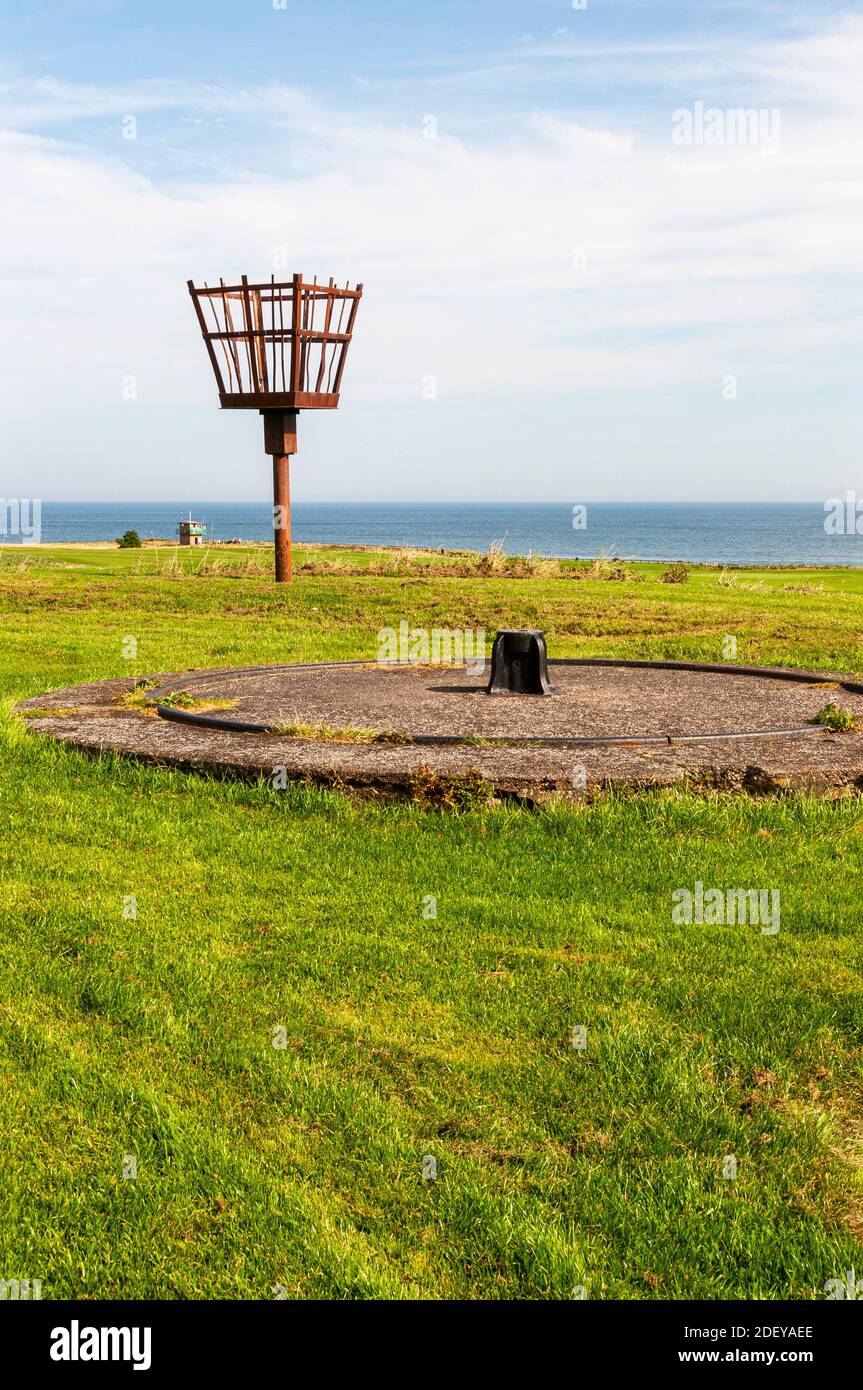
point(519, 664)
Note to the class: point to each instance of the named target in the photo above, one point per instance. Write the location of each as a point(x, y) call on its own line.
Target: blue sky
point(563, 299)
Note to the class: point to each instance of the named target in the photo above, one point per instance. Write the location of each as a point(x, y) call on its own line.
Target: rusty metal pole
point(282, 516)
point(280, 440)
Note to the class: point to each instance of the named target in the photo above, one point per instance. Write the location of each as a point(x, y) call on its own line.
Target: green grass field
point(296, 918)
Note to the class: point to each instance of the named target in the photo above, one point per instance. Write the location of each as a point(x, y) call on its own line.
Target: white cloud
point(697, 261)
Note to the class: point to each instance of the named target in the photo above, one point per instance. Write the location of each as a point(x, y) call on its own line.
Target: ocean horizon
point(738, 533)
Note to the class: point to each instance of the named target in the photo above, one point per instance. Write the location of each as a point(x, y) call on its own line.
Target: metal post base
point(519, 664)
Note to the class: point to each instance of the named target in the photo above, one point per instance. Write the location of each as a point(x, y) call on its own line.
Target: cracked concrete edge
point(88, 716)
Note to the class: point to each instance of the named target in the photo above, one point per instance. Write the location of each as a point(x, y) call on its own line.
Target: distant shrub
point(676, 574)
point(130, 540)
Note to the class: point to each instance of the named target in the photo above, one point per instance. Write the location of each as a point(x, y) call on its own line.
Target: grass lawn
point(296, 918)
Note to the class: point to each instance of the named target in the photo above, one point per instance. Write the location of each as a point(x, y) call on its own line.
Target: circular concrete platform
point(409, 728)
point(593, 702)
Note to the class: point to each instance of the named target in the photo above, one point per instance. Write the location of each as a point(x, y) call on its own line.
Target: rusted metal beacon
point(278, 347)
point(519, 664)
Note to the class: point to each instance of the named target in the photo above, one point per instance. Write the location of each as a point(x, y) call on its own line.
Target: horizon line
point(445, 502)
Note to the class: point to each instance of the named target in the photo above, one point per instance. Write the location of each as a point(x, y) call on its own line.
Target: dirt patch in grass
point(456, 793)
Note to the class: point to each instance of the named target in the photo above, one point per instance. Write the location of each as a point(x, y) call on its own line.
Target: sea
point(733, 533)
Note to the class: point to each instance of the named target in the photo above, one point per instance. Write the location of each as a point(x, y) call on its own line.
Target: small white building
point(192, 532)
